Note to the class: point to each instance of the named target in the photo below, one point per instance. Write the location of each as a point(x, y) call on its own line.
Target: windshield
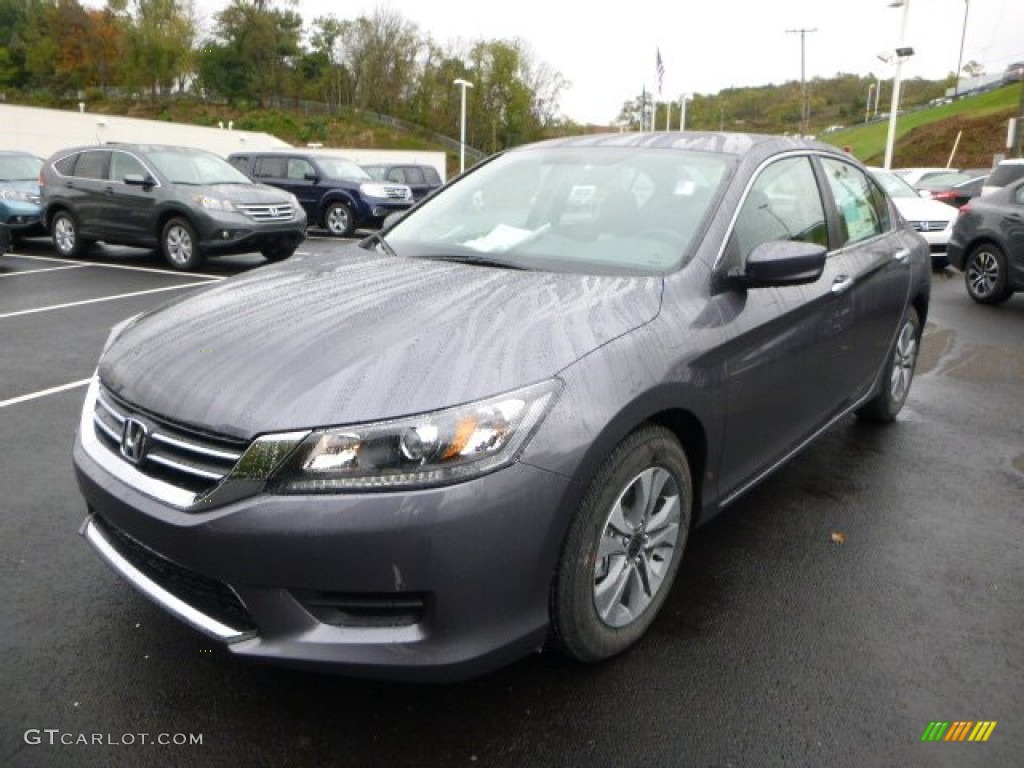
point(339, 168)
point(893, 184)
point(19, 168)
point(575, 209)
point(186, 166)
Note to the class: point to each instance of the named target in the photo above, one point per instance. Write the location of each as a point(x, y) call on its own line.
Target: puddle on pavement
point(978, 362)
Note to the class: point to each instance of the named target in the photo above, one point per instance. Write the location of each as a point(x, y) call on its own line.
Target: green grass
point(868, 141)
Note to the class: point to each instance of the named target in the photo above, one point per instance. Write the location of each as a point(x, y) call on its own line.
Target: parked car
point(954, 189)
point(914, 176)
point(421, 179)
point(1006, 172)
point(189, 203)
point(336, 193)
point(929, 217)
point(19, 194)
point(988, 244)
point(493, 425)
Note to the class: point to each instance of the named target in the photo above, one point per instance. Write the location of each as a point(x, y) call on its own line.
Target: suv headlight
point(19, 196)
point(214, 203)
point(430, 449)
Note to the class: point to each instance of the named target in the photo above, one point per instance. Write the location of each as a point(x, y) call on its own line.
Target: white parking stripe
point(44, 393)
point(46, 269)
point(117, 266)
point(99, 300)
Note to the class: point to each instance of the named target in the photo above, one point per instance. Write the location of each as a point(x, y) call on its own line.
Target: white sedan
point(934, 220)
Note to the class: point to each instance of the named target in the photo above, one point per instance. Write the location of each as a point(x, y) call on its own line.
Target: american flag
point(660, 67)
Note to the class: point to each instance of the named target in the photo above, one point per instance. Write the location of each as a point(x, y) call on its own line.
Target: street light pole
point(682, 117)
point(804, 107)
point(960, 61)
point(867, 109)
point(901, 52)
point(463, 84)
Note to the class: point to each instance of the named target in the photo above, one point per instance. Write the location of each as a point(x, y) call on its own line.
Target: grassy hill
point(926, 137)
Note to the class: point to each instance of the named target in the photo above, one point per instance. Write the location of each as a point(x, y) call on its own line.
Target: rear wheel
point(338, 220)
point(624, 547)
point(898, 374)
point(180, 245)
point(66, 240)
point(985, 275)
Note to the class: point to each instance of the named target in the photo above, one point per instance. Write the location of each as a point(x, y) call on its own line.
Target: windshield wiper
point(477, 259)
point(378, 238)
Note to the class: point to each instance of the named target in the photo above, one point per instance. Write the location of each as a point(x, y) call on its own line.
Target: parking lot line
point(101, 299)
point(44, 393)
point(117, 266)
point(45, 269)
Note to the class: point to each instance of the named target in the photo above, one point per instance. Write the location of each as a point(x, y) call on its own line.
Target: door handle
point(902, 256)
point(108, 190)
point(841, 285)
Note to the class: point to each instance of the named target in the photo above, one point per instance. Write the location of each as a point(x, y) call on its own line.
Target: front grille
point(186, 458)
point(208, 596)
point(398, 193)
point(265, 212)
point(929, 226)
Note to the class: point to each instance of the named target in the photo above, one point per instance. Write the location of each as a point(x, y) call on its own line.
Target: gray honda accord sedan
point(491, 428)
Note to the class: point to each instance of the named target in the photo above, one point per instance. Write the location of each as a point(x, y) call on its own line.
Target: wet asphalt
point(870, 587)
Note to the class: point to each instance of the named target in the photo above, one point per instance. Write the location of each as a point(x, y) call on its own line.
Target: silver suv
point(187, 202)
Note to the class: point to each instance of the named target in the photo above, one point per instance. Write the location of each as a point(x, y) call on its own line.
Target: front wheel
point(624, 547)
point(985, 275)
point(898, 373)
point(278, 253)
point(180, 245)
point(338, 220)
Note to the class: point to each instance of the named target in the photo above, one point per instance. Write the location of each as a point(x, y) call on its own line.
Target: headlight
point(19, 196)
point(431, 449)
point(213, 203)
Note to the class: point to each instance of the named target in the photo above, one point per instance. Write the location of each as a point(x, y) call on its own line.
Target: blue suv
point(336, 193)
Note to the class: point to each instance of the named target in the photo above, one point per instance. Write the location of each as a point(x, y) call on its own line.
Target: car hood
point(247, 193)
point(923, 209)
point(350, 336)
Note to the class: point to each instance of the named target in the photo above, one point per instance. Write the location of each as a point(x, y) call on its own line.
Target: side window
point(863, 210)
point(432, 175)
point(783, 204)
point(66, 165)
point(241, 163)
point(1019, 195)
point(92, 165)
point(397, 175)
point(413, 176)
point(122, 164)
point(270, 168)
point(298, 168)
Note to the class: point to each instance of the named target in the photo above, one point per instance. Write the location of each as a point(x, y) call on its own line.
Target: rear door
point(85, 190)
point(873, 263)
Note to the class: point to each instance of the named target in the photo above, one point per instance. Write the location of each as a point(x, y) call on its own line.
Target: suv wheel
point(338, 220)
point(278, 252)
point(985, 275)
point(66, 241)
point(180, 245)
point(898, 373)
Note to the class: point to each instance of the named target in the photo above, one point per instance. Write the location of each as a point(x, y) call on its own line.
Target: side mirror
point(310, 176)
point(779, 263)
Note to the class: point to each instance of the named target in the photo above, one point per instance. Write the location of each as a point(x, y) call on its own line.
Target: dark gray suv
point(189, 203)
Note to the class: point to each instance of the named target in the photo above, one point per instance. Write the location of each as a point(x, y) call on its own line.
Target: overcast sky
point(607, 51)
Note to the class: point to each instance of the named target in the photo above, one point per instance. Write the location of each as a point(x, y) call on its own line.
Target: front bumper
point(23, 219)
point(436, 584)
point(235, 233)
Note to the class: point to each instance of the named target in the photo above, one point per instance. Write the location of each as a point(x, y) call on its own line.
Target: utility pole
point(960, 61)
point(805, 111)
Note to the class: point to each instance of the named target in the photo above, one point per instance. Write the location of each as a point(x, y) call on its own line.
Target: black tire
point(339, 220)
point(985, 274)
point(898, 373)
point(66, 240)
point(278, 253)
point(648, 550)
point(180, 245)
